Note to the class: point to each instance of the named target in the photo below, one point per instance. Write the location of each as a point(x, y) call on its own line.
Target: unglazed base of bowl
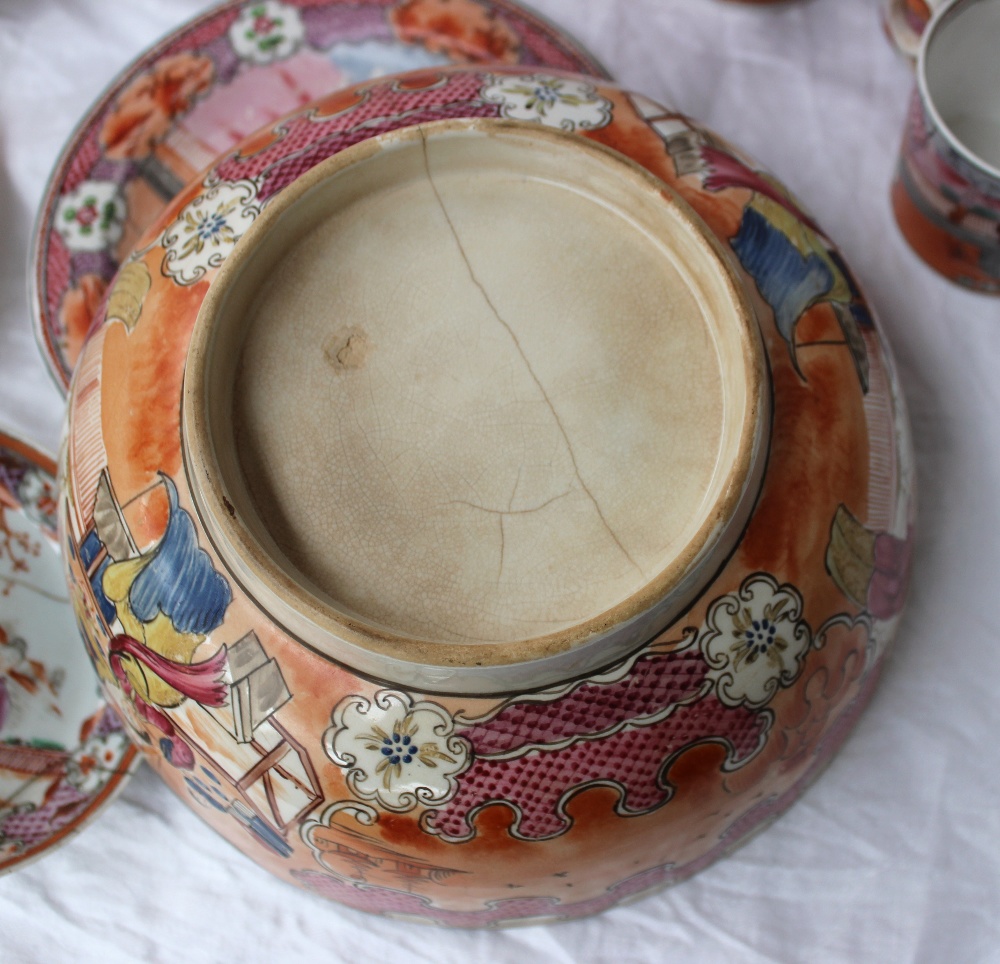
point(480, 386)
point(476, 402)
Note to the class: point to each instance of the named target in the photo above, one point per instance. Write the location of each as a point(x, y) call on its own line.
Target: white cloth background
point(894, 854)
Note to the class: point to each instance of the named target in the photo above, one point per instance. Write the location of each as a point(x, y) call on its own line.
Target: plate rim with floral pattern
point(69, 770)
point(83, 153)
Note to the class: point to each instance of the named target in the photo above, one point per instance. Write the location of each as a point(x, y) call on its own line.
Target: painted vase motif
point(552, 802)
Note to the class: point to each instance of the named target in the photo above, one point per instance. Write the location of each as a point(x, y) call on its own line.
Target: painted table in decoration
point(211, 83)
point(63, 751)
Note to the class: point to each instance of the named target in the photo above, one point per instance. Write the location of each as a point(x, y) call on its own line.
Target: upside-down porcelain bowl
point(488, 496)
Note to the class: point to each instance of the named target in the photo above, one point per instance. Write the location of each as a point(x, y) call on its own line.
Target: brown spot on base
point(347, 349)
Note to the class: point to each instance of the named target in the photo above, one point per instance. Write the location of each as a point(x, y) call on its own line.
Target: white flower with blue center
point(208, 228)
point(755, 641)
point(397, 753)
point(559, 102)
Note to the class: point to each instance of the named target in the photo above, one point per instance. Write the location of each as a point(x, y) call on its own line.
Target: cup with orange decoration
point(946, 193)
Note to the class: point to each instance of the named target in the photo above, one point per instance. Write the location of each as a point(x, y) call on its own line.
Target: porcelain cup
point(946, 193)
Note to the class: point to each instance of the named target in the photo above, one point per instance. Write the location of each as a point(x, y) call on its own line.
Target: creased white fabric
point(894, 854)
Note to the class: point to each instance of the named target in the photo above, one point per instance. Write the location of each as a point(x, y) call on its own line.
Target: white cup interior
point(960, 66)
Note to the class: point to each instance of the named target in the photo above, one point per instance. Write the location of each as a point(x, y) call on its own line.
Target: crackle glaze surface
point(213, 82)
point(436, 359)
point(549, 804)
point(63, 751)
